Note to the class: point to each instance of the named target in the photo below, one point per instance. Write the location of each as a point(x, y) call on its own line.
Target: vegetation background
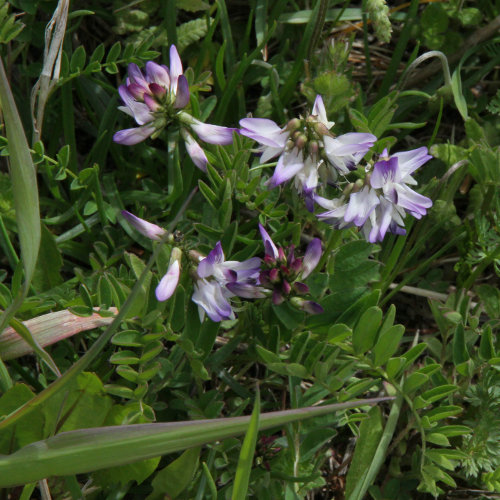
point(412, 321)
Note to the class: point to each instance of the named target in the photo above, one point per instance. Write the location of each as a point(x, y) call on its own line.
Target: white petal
point(168, 283)
point(319, 111)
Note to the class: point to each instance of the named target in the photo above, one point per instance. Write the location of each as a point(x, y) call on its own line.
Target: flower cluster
point(306, 149)
point(217, 281)
point(282, 272)
point(380, 204)
point(308, 152)
point(155, 99)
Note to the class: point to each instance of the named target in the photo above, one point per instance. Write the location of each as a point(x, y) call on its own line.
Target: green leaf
point(191, 31)
point(78, 59)
point(28, 428)
point(245, 461)
point(442, 412)
point(267, 356)
point(434, 394)
point(437, 438)
point(48, 270)
point(114, 52)
point(414, 381)
point(124, 358)
point(394, 366)
point(127, 338)
point(176, 477)
point(370, 432)
point(365, 332)
point(486, 348)
point(456, 88)
point(460, 353)
point(414, 353)
point(453, 430)
point(387, 344)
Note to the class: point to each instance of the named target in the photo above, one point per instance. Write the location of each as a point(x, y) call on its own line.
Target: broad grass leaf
point(370, 432)
point(83, 450)
point(24, 189)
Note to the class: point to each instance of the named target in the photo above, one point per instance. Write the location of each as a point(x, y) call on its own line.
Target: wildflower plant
point(259, 291)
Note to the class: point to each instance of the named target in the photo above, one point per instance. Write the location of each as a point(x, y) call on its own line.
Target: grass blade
point(245, 460)
point(25, 194)
point(85, 450)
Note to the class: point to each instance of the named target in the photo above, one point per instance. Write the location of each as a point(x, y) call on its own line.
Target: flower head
point(384, 200)
point(155, 99)
point(283, 273)
point(218, 280)
point(305, 145)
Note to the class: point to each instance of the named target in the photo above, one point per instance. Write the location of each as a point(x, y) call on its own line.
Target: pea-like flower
point(170, 280)
point(382, 203)
point(156, 99)
point(306, 149)
point(218, 280)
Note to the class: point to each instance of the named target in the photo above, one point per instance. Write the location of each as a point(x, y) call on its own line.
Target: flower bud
point(277, 298)
point(301, 141)
point(313, 147)
point(168, 283)
point(321, 129)
point(274, 275)
point(348, 189)
point(300, 288)
point(293, 124)
point(357, 185)
point(306, 305)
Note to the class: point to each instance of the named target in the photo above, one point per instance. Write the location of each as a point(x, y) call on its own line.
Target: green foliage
point(415, 317)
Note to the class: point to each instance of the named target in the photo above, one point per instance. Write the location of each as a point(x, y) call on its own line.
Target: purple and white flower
point(346, 151)
point(219, 280)
point(155, 99)
point(381, 205)
point(170, 280)
point(304, 146)
point(147, 229)
point(392, 174)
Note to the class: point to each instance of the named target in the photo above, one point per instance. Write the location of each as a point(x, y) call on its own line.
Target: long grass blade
point(247, 451)
point(85, 450)
point(25, 194)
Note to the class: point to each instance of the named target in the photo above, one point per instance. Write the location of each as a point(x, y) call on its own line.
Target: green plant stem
point(318, 27)
point(422, 266)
